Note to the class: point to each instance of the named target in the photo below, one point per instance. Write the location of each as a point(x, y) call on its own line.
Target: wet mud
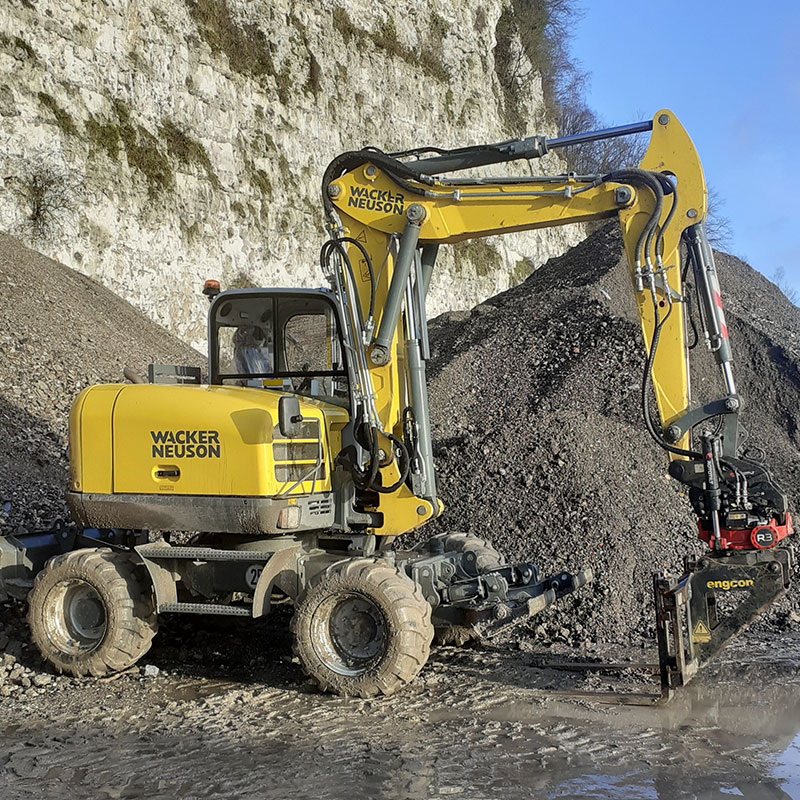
point(481, 722)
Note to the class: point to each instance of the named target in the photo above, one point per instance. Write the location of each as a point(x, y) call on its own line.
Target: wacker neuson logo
point(376, 200)
point(186, 444)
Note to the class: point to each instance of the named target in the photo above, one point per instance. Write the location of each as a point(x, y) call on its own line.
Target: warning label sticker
point(701, 633)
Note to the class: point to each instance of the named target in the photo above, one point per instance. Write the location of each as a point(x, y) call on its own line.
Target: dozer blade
point(712, 602)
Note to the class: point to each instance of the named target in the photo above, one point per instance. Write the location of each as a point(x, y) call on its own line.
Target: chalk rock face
point(153, 143)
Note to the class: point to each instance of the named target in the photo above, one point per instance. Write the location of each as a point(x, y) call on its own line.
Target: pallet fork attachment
point(716, 598)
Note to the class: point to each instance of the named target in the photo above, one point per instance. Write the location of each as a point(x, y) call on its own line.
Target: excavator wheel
point(91, 612)
point(486, 557)
point(362, 628)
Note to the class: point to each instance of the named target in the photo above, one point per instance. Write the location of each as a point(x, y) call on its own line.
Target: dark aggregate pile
point(59, 333)
point(535, 402)
point(539, 439)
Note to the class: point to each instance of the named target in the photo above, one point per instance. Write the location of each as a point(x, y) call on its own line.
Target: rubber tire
point(407, 617)
point(127, 598)
point(486, 557)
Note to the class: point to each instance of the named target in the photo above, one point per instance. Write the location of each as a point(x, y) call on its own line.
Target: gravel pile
point(23, 674)
point(535, 403)
point(540, 442)
point(59, 332)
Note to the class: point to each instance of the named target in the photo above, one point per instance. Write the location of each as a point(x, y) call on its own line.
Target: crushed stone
point(60, 332)
point(540, 442)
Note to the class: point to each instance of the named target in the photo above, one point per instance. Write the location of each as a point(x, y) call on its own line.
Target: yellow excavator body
point(197, 440)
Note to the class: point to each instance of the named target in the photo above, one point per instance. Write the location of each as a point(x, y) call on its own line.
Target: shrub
point(533, 40)
point(49, 191)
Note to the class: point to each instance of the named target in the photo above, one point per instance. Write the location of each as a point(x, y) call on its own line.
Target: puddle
point(187, 691)
point(787, 770)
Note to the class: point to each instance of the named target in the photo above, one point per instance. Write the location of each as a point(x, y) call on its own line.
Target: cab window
point(280, 341)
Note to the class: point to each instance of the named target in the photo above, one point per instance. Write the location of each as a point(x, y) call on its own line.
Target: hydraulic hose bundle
point(651, 239)
point(366, 478)
point(337, 245)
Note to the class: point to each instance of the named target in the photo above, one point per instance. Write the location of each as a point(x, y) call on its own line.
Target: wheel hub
point(76, 616)
point(350, 633)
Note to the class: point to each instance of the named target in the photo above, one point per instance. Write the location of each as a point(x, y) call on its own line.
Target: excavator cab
point(282, 340)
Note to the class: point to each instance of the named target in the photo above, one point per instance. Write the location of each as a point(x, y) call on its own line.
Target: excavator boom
point(388, 214)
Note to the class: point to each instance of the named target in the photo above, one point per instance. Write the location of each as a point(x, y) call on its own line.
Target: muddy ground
point(229, 715)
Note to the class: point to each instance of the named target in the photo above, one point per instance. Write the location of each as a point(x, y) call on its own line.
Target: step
point(204, 608)
point(203, 554)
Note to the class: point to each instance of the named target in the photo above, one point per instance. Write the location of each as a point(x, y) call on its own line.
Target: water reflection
point(734, 732)
point(787, 770)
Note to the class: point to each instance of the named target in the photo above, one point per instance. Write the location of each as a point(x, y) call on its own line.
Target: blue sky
point(731, 72)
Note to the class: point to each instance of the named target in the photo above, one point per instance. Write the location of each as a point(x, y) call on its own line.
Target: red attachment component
point(762, 537)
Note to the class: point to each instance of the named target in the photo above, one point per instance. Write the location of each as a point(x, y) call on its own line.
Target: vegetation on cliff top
point(533, 42)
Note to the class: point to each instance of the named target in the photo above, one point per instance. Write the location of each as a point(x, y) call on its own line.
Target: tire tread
point(410, 614)
point(131, 621)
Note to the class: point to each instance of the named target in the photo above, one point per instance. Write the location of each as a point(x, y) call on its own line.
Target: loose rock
point(557, 466)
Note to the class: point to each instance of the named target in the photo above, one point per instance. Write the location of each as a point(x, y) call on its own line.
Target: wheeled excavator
point(308, 450)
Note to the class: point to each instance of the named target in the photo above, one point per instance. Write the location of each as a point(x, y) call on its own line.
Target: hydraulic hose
point(369, 481)
point(668, 187)
point(324, 257)
point(405, 462)
point(659, 185)
point(646, 381)
point(337, 244)
point(690, 314)
point(374, 461)
point(395, 169)
point(640, 177)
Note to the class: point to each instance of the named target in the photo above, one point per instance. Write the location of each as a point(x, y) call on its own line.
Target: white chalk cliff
point(167, 141)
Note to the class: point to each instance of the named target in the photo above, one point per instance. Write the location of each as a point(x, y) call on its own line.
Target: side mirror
point(289, 416)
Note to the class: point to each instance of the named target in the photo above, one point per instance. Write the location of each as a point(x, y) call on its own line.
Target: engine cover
point(132, 444)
